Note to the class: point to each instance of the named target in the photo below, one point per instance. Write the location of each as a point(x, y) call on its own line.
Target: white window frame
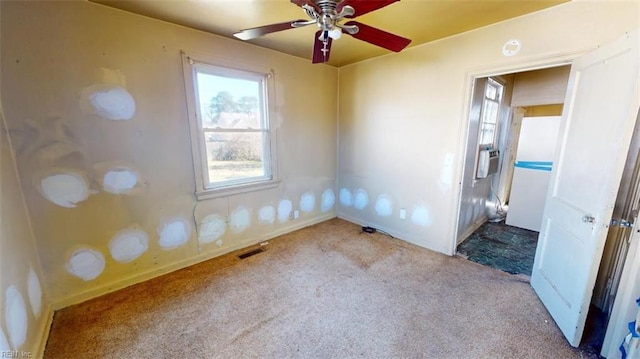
point(496, 128)
point(204, 188)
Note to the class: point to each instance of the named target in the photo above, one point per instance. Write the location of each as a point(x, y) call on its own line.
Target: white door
point(597, 123)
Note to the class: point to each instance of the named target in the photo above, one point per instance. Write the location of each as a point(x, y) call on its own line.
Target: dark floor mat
point(503, 247)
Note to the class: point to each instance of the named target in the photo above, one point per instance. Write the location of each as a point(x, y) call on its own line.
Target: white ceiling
point(419, 20)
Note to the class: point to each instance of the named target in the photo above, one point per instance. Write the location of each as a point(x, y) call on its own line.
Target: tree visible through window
point(234, 139)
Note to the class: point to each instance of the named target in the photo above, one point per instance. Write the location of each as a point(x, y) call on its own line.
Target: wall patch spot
point(212, 228)
point(86, 264)
point(346, 198)
point(240, 219)
point(284, 210)
point(174, 233)
point(15, 315)
point(4, 343)
point(129, 244)
point(361, 199)
point(421, 216)
point(328, 200)
point(65, 189)
point(34, 292)
point(110, 102)
point(446, 176)
point(267, 215)
point(307, 202)
point(384, 205)
point(119, 180)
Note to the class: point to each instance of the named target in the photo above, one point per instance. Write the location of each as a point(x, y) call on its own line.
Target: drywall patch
point(384, 205)
point(86, 264)
point(361, 199)
point(212, 228)
point(328, 200)
point(174, 233)
point(65, 189)
point(446, 176)
point(108, 101)
point(15, 316)
point(307, 202)
point(284, 210)
point(119, 180)
point(421, 216)
point(267, 215)
point(34, 292)
point(346, 197)
point(4, 343)
point(129, 244)
point(240, 219)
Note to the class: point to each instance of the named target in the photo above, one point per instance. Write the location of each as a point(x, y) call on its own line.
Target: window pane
point(232, 156)
point(490, 112)
point(487, 132)
point(229, 102)
point(491, 91)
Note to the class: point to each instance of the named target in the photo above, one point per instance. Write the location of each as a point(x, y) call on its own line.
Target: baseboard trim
point(156, 272)
point(394, 234)
point(43, 331)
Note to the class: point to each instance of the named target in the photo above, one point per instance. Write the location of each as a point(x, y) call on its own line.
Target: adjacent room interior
point(163, 179)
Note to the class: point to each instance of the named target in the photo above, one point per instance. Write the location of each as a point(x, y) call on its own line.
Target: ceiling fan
point(327, 15)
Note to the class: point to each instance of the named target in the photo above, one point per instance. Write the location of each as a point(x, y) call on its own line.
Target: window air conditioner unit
point(487, 163)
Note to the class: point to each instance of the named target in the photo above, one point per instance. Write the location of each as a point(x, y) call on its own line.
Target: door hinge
point(621, 223)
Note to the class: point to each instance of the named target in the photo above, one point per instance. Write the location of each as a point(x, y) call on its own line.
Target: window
point(233, 143)
point(490, 113)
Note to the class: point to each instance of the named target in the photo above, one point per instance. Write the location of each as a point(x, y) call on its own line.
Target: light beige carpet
point(327, 291)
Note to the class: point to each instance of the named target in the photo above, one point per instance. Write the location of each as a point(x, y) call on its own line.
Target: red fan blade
point(308, 2)
point(321, 50)
point(255, 32)
point(378, 37)
point(363, 6)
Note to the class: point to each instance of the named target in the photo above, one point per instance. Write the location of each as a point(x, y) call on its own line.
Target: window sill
point(233, 190)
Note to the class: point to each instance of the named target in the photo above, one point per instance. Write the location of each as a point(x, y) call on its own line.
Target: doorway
point(505, 188)
point(501, 232)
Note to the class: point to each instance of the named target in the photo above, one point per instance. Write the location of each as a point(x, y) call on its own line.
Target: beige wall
point(403, 117)
point(540, 87)
point(59, 49)
point(25, 311)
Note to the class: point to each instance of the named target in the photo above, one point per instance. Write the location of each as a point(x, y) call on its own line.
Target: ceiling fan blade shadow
point(307, 2)
point(363, 6)
point(378, 37)
point(320, 51)
point(255, 32)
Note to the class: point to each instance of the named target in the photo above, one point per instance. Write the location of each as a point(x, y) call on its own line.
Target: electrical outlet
point(403, 213)
point(296, 214)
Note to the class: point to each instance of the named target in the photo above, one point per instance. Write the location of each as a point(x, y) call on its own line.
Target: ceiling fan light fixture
point(335, 33)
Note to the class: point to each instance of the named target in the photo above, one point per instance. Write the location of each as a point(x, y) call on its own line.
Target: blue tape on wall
point(535, 165)
point(632, 329)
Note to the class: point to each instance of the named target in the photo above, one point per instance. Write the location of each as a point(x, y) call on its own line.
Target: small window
point(490, 114)
point(231, 133)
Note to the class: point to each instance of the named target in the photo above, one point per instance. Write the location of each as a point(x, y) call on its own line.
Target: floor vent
point(251, 253)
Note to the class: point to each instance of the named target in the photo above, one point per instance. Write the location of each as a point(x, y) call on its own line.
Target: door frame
point(529, 64)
